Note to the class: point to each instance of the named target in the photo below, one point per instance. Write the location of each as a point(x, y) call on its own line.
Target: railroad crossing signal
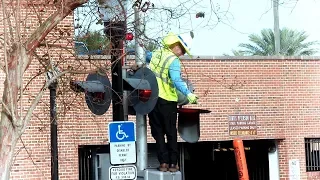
point(143, 91)
point(97, 89)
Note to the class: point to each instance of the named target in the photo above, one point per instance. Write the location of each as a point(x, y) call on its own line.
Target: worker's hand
point(193, 99)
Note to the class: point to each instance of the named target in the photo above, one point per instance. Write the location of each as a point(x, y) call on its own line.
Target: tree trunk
point(8, 141)
point(9, 115)
point(11, 125)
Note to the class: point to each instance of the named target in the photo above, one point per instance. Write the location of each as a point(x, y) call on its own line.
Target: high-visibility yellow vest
point(159, 64)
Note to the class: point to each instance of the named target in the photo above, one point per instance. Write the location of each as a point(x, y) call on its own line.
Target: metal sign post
point(140, 56)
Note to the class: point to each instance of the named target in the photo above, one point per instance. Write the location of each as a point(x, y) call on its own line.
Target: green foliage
point(292, 43)
point(236, 53)
point(94, 40)
point(150, 45)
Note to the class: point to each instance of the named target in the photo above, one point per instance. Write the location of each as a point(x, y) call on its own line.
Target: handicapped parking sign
point(122, 138)
point(122, 131)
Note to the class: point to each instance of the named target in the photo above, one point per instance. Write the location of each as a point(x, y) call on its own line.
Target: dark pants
point(162, 120)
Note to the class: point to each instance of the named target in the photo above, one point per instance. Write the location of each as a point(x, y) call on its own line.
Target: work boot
point(163, 167)
point(173, 168)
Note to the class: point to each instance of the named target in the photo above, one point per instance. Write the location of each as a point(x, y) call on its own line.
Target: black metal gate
point(89, 161)
point(216, 160)
point(85, 163)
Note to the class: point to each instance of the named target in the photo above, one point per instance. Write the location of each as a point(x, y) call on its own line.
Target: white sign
point(122, 138)
point(123, 153)
point(123, 172)
point(294, 169)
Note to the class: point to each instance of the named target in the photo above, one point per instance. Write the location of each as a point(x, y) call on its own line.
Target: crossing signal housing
point(97, 89)
point(142, 90)
point(189, 118)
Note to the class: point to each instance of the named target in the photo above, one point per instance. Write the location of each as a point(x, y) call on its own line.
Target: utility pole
point(116, 70)
point(141, 125)
point(115, 28)
point(276, 26)
point(124, 71)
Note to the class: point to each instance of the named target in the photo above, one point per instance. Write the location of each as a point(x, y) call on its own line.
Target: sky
point(250, 16)
point(245, 17)
point(238, 19)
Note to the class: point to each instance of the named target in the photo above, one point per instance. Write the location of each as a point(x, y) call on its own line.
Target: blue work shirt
point(174, 74)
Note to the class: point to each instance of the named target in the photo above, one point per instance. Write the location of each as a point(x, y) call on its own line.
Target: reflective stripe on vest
point(160, 64)
point(165, 80)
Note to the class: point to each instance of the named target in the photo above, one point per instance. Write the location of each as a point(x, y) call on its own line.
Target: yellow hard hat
point(172, 38)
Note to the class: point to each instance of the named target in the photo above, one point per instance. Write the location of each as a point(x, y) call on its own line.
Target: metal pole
point(116, 70)
point(141, 125)
point(54, 134)
point(124, 71)
point(276, 26)
point(125, 93)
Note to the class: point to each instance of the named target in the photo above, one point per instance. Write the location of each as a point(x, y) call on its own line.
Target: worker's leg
point(157, 131)
point(170, 123)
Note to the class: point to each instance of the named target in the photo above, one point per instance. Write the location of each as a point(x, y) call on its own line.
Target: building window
point(312, 147)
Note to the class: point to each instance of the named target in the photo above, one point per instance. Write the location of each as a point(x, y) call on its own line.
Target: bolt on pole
point(141, 125)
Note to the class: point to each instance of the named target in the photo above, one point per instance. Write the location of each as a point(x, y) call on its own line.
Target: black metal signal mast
point(116, 31)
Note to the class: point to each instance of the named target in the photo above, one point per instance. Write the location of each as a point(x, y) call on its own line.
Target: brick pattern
point(283, 94)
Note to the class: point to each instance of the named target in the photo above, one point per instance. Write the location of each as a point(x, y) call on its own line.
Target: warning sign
point(123, 172)
point(242, 125)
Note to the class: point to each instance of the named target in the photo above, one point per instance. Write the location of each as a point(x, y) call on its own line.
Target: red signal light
point(144, 95)
point(129, 36)
point(98, 97)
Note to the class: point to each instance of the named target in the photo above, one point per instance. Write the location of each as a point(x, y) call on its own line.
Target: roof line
point(131, 57)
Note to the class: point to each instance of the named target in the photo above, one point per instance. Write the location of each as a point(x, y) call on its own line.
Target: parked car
point(132, 52)
point(82, 49)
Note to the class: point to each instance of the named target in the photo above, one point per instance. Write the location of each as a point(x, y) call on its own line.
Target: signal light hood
point(189, 123)
point(97, 90)
point(144, 91)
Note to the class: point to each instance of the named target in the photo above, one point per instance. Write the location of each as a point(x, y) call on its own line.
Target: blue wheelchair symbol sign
point(122, 131)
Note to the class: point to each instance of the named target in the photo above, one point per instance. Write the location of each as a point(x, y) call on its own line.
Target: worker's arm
point(175, 76)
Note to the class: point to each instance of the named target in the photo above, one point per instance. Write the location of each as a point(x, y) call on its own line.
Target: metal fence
point(312, 146)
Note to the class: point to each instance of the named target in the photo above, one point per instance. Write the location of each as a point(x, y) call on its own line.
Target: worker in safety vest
point(166, 65)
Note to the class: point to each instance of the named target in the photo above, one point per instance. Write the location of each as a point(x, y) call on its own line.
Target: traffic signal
point(188, 118)
point(189, 123)
point(98, 91)
point(142, 90)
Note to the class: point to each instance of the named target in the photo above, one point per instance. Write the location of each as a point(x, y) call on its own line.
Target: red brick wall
point(283, 94)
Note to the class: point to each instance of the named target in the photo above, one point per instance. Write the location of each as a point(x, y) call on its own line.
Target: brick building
point(281, 93)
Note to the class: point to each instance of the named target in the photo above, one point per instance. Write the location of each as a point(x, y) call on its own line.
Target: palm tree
point(236, 53)
point(292, 43)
